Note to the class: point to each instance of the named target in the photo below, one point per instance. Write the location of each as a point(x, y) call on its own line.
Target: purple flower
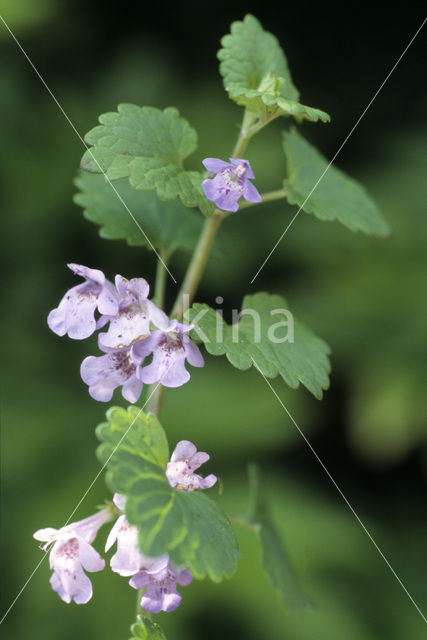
point(71, 553)
point(170, 348)
point(158, 575)
point(128, 559)
point(230, 183)
point(161, 593)
point(180, 470)
point(132, 322)
point(117, 368)
point(75, 314)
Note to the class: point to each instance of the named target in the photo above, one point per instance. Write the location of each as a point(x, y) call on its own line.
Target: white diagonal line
point(83, 497)
point(340, 148)
point(84, 144)
point(314, 452)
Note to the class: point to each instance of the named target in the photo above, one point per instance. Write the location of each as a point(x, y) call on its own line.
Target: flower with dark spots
point(75, 314)
point(184, 461)
point(161, 593)
point(135, 315)
point(170, 347)
point(232, 181)
point(117, 368)
point(71, 554)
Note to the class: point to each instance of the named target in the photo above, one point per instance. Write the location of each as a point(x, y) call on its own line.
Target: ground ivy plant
point(167, 526)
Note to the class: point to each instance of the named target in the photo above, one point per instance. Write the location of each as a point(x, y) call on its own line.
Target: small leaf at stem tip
point(256, 74)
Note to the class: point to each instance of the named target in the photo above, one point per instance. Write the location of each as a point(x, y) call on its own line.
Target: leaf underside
point(144, 221)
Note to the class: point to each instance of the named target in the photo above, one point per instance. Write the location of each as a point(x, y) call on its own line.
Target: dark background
point(365, 296)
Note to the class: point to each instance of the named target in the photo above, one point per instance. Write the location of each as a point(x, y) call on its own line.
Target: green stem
point(254, 527)
point(155, 392)
point(245, 135)
point(278, 194)
point(197, 264)
point(160, 282)
point(139, 609)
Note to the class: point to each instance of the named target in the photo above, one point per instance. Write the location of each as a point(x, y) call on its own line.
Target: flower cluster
point(71, 551)
point(129, 338)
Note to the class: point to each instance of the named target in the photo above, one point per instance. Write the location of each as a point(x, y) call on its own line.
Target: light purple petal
point(215, 165)
point(112, 536)
point(152, 602)
point(193, 354)
point(108, 300)
point(176, 374)
point(132, 389)
point(228, 201)
point(197, 460)
point(156, 567)
point(127, 559)
point(171, 601)
point(120, 501)
point(45, 534)
point(89, 527)
point(182, 575)
point(75, 586)
point(144, 348)
point(251, 193)
point(93, 371)
point(139, 580)
point(90, 559)
point(129, 325)
point(75, 313)
point(156, 599)
point(104, 373)
point(208, 482)
point(184, 450)
point(248, 169)
point(213, 187)
point(157, 316)
point(87, 273)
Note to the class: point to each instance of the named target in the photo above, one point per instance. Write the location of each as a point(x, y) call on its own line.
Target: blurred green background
point(366, 297)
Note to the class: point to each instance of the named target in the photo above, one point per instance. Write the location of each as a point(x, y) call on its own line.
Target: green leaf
point(188, 525)
point(274, 557)
point(329, 195)
point(167, 225)
point(256, 74)
point(148, 146)
point(146, 629)
point(304, 360)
